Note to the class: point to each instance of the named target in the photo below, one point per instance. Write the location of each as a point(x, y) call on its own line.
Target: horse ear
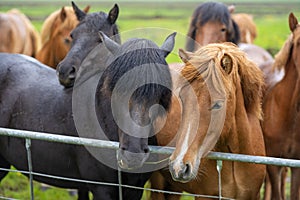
point(185, 56)
point(283, 54)
point(86, 9)
point(168, 45)
point(113, 14)
point(79, 13)
point(293, 22)
point(226, 63)
point(63, 14)
point(231, 9)
point(111, 45)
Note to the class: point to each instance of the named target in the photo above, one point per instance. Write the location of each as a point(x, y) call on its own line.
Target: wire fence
point(29, 135)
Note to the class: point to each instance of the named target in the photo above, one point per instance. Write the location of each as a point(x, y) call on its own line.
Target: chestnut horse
point(281, 114)
point(55, 35)
point(247, 27)
point(18, 35)
point(221, 111)
point(212, 22)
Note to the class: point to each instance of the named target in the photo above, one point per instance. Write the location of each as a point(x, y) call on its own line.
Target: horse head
point(55, 33)
point(219, 81)
point(211, 23)
point(133, 91)
point(289, 50)
point(84, 38)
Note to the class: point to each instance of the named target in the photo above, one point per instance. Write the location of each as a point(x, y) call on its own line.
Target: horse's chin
point(131, 161)
point(125, 165)
point(67, 83)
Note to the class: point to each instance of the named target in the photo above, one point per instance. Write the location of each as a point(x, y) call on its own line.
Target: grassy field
point(135, 18)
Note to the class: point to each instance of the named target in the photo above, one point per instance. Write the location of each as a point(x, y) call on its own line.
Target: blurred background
point(270, 17)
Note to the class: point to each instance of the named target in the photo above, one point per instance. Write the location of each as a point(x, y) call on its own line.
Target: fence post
point(219, 169)
point(28, 146)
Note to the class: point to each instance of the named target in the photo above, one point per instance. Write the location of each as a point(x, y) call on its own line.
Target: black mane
point(212, 11)
point(145, 64)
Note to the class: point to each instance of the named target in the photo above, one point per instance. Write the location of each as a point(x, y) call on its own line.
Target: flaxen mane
point(54, 20)
point(283, 55)
point(205, 64)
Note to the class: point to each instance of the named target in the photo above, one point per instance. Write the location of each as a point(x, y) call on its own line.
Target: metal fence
point(29, 135)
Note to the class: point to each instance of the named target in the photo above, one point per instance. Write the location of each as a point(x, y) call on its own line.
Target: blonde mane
point(205, 64)
point(53, 21)
point(282, 56)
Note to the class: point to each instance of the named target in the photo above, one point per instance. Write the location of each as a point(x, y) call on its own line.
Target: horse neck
point(245, 127)
point(289, 85)
point(56, 49)
point(46, 54)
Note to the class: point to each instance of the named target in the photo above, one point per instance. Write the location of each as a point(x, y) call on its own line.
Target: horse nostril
point(146, 150)
point(72, 73)
point(187, 171)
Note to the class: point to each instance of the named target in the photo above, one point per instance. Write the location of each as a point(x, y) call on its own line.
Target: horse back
point(26, 84)
point(18, 35)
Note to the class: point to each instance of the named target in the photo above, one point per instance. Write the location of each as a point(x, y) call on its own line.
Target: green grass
point(271, 18)
point(15, 185)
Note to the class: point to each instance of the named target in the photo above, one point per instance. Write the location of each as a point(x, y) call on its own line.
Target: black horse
point(32, 99)
point(84, 38)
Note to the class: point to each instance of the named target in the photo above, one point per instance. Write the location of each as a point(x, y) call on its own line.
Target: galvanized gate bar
point(154, 149)
point(28, 149)
point(254, 159)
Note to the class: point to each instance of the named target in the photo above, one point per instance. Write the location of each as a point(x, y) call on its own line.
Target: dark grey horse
point(84, 38)
point(31, 98)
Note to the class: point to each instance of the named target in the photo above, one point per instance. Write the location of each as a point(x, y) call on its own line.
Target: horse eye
point(67, 41)
point(223, 30)
point(217, 106)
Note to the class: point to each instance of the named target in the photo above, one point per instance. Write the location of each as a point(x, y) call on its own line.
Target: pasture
point(271, 18)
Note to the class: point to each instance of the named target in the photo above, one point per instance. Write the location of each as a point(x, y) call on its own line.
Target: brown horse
point(247, 27)
point(55, 35)
point(212, 22)
point(18, 35)
point(281, 110)
point(221, 111)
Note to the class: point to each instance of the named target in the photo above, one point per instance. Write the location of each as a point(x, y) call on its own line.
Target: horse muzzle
point(181, 172)
point(66, 78)
point(128, 160)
